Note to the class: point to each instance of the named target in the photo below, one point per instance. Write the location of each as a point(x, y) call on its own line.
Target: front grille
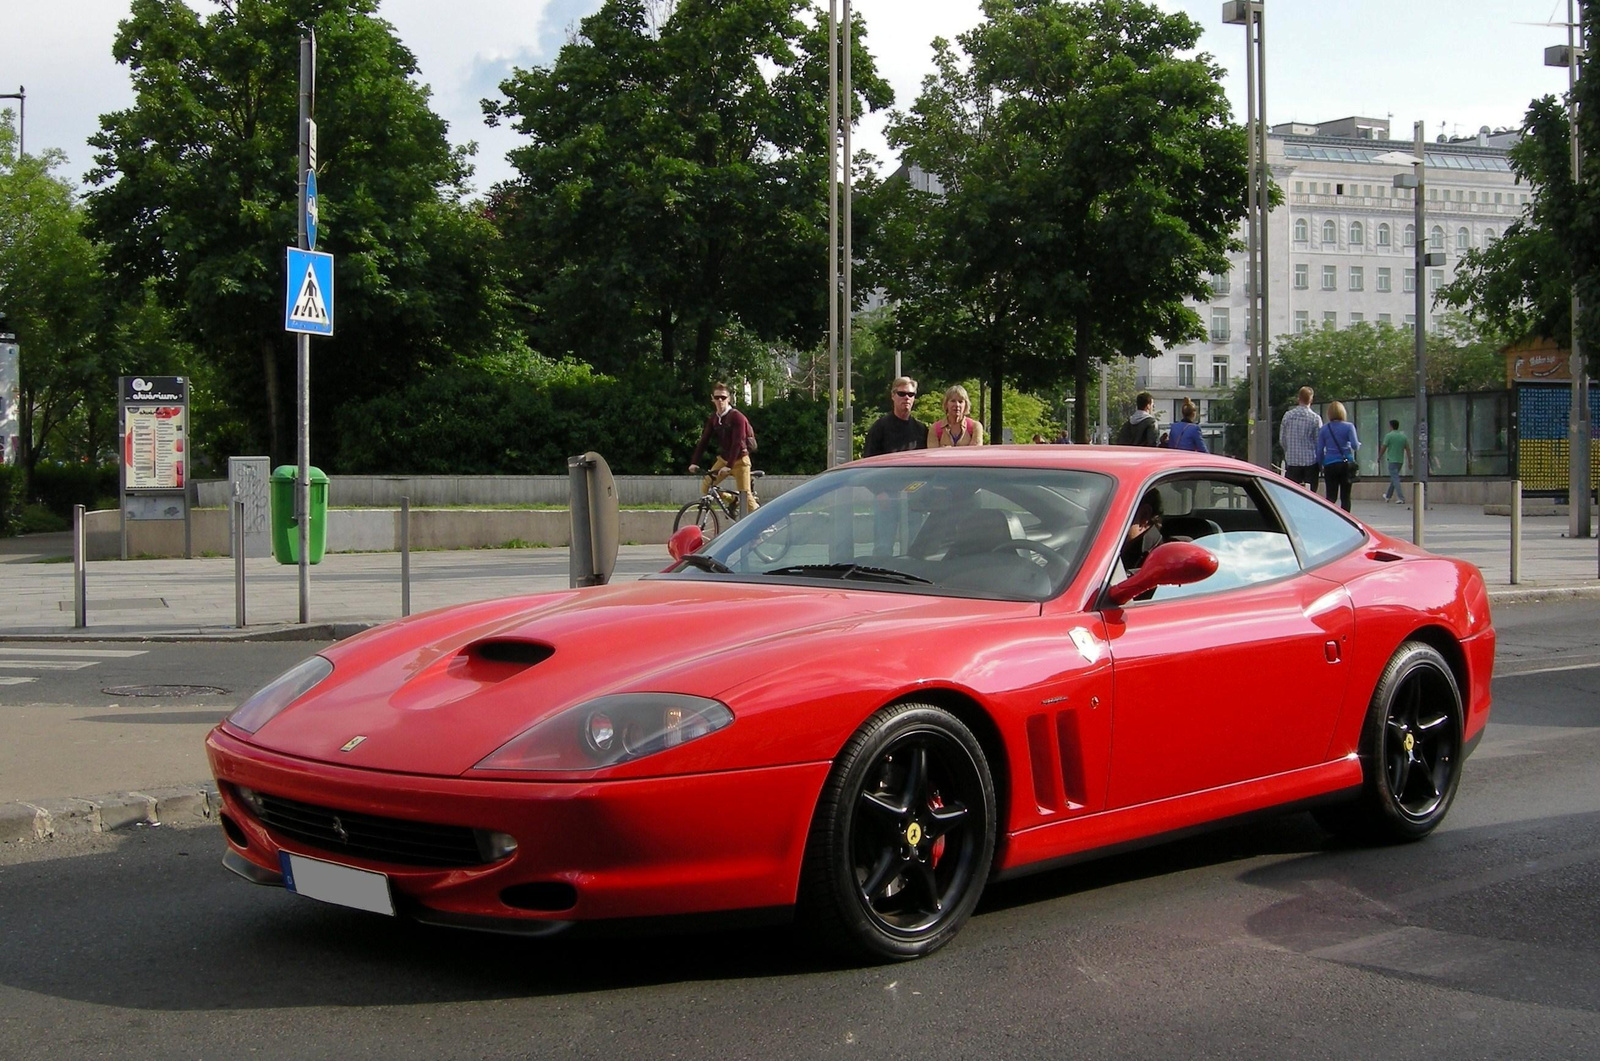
point(395, 840)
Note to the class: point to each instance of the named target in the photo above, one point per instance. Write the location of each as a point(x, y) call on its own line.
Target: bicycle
point(712, 507)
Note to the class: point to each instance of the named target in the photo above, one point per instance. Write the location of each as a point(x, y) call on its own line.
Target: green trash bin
point(285, 533)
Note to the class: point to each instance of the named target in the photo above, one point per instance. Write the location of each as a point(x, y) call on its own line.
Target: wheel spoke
point(919, 875)
point(1399, 773)
point(913, 794)
point(883, 810)
point(882, 873)
point(945, 820)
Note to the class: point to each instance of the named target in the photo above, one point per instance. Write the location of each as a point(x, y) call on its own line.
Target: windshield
point(1008, 533)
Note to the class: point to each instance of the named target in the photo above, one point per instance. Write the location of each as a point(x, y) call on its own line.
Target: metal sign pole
point(302, 484)
point(833, 232)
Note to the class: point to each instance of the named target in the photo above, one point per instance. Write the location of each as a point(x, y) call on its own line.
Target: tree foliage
point(1522, 285)
point(674, 180)
point(196, 200)
point(1089, 180)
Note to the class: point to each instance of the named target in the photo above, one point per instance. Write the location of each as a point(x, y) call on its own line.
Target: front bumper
point(647, 848)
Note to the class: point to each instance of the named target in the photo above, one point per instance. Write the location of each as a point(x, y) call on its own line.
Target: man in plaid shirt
point(1297, 434)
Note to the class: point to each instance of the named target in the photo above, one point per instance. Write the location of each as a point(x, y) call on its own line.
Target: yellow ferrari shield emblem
point(914, 834)
point(1411, 742)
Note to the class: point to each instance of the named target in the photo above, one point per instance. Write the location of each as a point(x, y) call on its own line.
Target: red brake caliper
point(938, 845)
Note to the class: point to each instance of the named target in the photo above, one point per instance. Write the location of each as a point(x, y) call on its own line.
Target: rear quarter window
point(1323, 533)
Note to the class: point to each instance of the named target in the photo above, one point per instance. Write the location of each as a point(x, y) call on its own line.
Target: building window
point(1327, 189)
point(1299, 187)
point(1411, 236)
point(1383, 278)
point(1411, 320)
point(1489, 236)
point(1302, 321)
point(1410, 282)
point(1219, 325)
point(1435, 280)
point(1463, 239)
point(1357, 318)
point(1301, 277)
point(1385, 318)
point(1302, 231)
point(1330, 277)
point(1436, 238)
point(1358, 234)
point(1330, 320)
point(1185, 370)
point(1330, 232)
point(1460, 195)
point(1383, 235)
point(1219, 370)
point(1358, 278)
point(1220, 284)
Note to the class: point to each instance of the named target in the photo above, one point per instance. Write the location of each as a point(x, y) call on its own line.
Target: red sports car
point(897, 681)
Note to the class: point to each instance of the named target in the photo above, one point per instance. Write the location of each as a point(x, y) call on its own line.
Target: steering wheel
point(1055, 565)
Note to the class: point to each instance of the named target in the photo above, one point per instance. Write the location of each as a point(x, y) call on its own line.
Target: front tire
point(903, 839)
point(698, 514)
point(1411, 748)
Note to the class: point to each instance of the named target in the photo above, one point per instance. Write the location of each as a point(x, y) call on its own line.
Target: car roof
point(1124, 462)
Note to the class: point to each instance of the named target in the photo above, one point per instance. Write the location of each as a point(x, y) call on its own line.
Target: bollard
point(405, 555)
point(1516, 532)
point(80, 581)
point(1419, 501)
point(238, 560)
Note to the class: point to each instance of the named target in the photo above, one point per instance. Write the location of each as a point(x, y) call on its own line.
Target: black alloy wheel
point(904, 836)
point(1410, 751)
point(698, 514)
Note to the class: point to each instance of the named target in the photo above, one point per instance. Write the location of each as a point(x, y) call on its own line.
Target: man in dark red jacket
point(734, 437)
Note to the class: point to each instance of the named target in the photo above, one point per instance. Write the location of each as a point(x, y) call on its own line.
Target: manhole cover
point(164, 690)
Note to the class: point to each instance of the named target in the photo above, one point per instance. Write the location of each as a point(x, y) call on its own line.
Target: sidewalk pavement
point(182, 600)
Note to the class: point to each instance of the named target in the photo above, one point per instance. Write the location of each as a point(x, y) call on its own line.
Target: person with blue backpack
point(1336, 452)
point(1185, 433)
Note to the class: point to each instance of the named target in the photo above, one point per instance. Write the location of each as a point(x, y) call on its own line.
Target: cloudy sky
point(1455, 64)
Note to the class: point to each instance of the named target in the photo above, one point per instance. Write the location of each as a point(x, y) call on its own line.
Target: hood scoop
point(493, 660)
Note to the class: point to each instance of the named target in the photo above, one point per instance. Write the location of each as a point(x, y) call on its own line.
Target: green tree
point(50, 293)
point(675, 179)
point(1088, 180)
point(1522, 285)
point(1369, 361)
point(196, 200)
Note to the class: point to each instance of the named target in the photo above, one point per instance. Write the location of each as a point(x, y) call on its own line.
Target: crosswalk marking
point(98, 653)
point(50, 664)
point(11, 679)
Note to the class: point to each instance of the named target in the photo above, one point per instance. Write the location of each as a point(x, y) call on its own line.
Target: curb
point(293, 632)
point(49, 819)
point(1526, 594)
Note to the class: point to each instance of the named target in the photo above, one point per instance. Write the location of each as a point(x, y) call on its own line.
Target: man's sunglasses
point(905, 394)
point(719, 397)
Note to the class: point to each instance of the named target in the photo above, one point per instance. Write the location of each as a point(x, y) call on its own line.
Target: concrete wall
point(374, 530)
point(385, 491)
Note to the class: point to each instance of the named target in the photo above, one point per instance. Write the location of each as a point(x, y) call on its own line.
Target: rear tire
point(903, 839)
point(698, 514)
point(1411, 749)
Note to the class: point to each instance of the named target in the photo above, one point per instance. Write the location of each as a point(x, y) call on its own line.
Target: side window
point(1230, 518)
point(1323, 533)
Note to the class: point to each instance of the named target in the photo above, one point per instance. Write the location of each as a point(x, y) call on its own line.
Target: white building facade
point(1340, 247)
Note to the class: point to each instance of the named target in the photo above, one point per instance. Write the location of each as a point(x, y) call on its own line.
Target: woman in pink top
point(957, 428)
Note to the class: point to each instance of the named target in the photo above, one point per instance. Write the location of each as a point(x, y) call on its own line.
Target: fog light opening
point(543, 896)
point(231, 830)
point(492, 847)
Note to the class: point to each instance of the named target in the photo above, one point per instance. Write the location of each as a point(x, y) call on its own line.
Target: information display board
point(154, 426)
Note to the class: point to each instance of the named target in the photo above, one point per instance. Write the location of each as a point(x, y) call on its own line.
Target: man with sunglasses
point(897, 430)
point(734, 436)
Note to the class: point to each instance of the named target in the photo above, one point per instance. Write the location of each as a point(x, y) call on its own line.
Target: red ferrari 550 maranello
point(884, 688)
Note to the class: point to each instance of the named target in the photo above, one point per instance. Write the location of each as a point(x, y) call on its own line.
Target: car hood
point(437, 693)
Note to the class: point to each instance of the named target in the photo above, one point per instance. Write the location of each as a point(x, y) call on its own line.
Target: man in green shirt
point(1396, 451)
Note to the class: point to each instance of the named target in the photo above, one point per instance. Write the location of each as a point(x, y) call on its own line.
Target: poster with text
point(153, 447)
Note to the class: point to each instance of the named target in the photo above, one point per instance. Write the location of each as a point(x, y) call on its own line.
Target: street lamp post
point(21, 96)
point(1248, 13)
point(1422, 259)
point(1578, 414)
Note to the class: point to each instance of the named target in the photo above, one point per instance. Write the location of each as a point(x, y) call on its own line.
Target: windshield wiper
point(854, 571)
point(705, 563)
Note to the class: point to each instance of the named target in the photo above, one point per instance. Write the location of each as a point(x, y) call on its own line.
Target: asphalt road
point(1268, 940)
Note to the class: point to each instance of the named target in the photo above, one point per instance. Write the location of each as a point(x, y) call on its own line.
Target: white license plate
point(333, 883)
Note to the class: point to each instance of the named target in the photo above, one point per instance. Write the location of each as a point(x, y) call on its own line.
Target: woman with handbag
point(1336, 452)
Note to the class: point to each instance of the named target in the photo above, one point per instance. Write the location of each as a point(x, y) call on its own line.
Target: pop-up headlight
point(610, 730)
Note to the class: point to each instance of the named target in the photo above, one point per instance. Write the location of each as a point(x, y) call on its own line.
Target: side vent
point(496, 660)
point(1384, 556)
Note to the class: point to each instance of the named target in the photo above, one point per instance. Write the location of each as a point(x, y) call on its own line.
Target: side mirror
point(686, 540)
point(1169, 564)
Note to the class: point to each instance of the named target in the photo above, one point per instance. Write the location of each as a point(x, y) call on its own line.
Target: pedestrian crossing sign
point(308, 301)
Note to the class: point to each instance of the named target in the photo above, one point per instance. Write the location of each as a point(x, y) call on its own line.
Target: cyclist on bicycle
point(734, 437)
